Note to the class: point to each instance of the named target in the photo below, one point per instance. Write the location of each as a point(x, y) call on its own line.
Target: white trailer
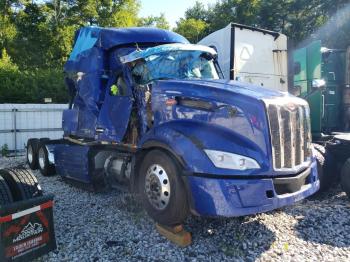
point(251, 55)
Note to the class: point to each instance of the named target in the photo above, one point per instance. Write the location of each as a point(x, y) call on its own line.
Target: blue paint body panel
point(238, 197)
point(70, 121)
point(235, 121)
point(91, 69)
point(189, 130)
point(114, 117)
point(72, 161)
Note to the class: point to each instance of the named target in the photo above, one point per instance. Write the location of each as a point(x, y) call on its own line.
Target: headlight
point(231, 161)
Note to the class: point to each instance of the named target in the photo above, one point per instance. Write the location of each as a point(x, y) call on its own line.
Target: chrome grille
point(289, 124)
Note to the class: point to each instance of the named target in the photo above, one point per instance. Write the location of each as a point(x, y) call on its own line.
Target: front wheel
point(162, 191)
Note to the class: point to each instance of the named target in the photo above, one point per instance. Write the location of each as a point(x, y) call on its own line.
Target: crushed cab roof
point(106, 38)
point(138, 54)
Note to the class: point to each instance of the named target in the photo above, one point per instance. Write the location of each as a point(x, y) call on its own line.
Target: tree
point(300, 20)
point(191, 28)
point(227, 11)
point(118, 13)
point(7, 30)
point(154, 21)
point(36, 39)
point(42, 32)
point(334, 33)
point(198, 12)
point(6, 62)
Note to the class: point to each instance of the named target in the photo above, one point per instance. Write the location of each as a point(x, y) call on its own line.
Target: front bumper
point(228, 197)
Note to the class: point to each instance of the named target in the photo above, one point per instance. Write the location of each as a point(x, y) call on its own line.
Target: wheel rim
point(157, 187)
point(30, 154)
point(41, 158)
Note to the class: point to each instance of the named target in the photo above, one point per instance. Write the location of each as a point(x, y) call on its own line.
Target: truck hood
point(221, 115)
point(230, 86)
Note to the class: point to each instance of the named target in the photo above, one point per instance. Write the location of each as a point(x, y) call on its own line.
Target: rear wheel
point(5, 193)
point(162, 190)
point(46, 169)
point(345, 177)
point(22, 183)
point(32, 153)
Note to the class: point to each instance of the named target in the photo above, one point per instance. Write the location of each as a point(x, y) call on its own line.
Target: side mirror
point(318, 83)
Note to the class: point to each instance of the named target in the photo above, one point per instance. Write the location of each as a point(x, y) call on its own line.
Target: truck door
point(307, 67)
point(115, 112)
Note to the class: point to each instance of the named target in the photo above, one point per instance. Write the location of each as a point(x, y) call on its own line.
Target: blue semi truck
point(152, 113)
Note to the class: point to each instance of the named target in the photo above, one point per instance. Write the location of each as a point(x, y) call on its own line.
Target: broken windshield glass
point(175, 65)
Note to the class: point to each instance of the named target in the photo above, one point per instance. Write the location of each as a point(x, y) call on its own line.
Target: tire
point(325, 167)
point(320, 170)
point(22, 183)
point(345, 177)
point(320, 148)
point(46, 169)
point(5, 193)
point(32, 153)
point(159, 169)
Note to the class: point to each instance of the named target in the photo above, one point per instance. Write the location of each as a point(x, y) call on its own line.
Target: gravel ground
point(113, 227)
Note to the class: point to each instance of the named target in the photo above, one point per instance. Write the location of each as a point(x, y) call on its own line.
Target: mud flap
point(27, 229)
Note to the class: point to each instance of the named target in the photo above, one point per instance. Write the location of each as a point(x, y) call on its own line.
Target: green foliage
point(111, 13)
point(335, 31)
point(301, 20)
point(192, 29)
point(36, 39)
point(39, 34)
point(198, 12)
point(7, 30)
point(155, 21)
point(32, 86)
point(6, 62)
point(4, 150)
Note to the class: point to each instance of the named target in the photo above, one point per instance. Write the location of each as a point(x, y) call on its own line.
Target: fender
point(187, 139)
point(167, 137)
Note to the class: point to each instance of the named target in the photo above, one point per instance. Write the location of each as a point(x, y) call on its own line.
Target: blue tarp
point(138, 54)
point(106, 38)
point(179, 61)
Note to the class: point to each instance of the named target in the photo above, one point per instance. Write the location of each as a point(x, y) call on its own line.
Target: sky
point(172, 9)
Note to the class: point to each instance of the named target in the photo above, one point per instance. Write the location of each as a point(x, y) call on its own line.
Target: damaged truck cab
point(152, 113)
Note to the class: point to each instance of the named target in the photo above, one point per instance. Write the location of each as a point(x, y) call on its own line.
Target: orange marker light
point(171, 102)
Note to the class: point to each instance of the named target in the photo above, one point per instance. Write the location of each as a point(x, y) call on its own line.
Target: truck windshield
point(175, 65)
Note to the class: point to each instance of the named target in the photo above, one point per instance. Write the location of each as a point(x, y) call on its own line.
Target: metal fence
point(19, 122)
